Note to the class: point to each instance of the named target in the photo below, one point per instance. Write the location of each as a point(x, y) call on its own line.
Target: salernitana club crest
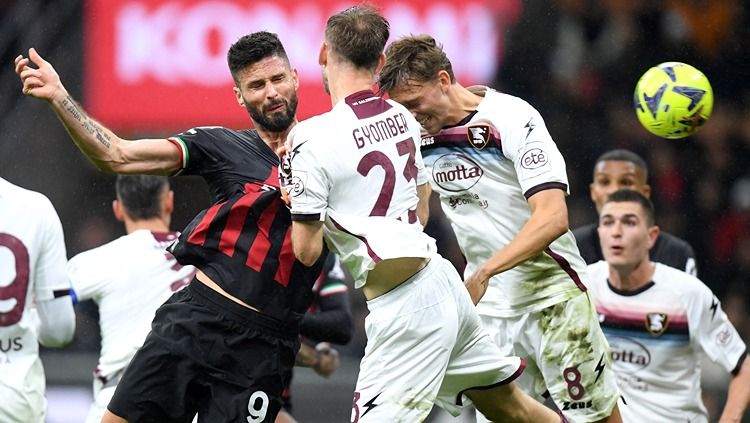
point(656, 323)
point(479, 136)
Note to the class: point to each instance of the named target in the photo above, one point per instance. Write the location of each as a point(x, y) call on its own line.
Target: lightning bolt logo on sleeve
point(529, 127)
point(714, 307)
point(599, 368)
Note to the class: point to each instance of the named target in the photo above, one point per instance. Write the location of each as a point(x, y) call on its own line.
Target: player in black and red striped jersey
point(223, 346)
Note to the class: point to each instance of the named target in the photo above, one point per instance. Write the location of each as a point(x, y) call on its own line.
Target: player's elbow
point(57, 322)
point(111, 166)
point(58, 335)
point(341, 332)
point(557, 223)
point(104, 166)
point(344, 334)
point(115, 160)
point(307, 255)
point(560, 226)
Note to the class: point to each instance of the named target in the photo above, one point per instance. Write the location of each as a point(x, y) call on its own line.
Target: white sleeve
point(422, 176)
point(87, 276)
point(712, 331)
point(309, 183)
point(536, 158)
point(49, 270)
point(690, 267)
point(57, 321)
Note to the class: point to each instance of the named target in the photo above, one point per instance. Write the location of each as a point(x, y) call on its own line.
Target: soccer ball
point(673, 100)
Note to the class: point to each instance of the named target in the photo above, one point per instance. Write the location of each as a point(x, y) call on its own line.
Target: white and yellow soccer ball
point(673, 100)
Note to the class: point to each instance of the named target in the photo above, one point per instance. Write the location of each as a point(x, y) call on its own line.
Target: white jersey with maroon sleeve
point(484, 170)
point(364, 148)
point(657, 335)
point(128, 278)
point(32, 269)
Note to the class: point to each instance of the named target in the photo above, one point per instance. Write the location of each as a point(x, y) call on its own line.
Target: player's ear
point(444, 79)
point(591, 193)
point(295, 77)
point(653, 233)
point(323, 54)
point(168, 202)
point(238, 95)
point(117, 211)
point(647, 191)
point(381, 63)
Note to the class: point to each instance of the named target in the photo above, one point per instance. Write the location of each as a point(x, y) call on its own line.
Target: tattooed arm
point(106, 150)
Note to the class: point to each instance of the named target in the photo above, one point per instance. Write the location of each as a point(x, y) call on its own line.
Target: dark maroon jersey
point(243, 241)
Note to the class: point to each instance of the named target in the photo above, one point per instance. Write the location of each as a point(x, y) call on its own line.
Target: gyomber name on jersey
point(380, 130)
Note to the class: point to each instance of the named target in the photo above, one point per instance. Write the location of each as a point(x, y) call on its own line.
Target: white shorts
point(23, 401)
point(102, 395)
point(567, 354)
point(425, 346)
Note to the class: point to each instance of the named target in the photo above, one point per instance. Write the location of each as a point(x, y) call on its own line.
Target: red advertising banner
point(160, 65)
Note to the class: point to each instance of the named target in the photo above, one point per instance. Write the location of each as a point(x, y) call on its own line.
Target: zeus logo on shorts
point(576, 405)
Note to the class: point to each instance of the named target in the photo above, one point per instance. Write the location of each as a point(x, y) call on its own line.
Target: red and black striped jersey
point(243, 240)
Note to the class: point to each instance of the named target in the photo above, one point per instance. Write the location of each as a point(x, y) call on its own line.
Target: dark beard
point(278, 122)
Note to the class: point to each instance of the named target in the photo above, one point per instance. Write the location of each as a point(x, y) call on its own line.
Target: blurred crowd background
point(576, 61)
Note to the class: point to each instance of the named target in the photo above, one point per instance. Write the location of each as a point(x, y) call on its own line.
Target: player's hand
point(477, 284)
point(285, 197)
point(328, 359)
point(42, 82)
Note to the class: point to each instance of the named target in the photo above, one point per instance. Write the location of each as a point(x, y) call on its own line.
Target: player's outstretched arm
point(548, 221)
point(738, 397)
point(106, 150)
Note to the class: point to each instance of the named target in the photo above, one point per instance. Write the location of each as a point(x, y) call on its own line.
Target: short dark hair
point(632, 196)
point(416, 58)
point(253, 48)
point(140, 195)
point(358, 34)
point(622, 155)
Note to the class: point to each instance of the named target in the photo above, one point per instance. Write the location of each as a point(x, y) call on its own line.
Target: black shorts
point(286, 394)
point(206, 354)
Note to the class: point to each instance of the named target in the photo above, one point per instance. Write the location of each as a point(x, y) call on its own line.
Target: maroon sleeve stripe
point(302, 217)
point(545, 186)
